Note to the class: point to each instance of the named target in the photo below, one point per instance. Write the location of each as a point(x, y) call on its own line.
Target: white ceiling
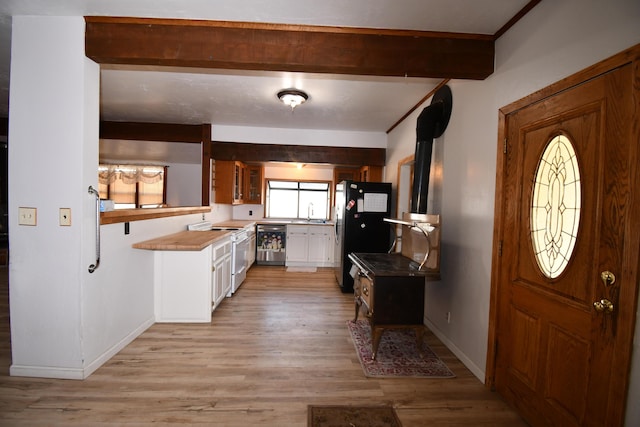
point(248, 98)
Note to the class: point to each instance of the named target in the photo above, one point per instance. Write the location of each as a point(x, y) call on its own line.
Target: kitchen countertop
point(198, 240)
point(183, 241)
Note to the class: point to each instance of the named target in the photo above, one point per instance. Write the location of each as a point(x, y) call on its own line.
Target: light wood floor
point(278, 345)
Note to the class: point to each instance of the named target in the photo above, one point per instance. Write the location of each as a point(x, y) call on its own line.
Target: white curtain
point(130, 174)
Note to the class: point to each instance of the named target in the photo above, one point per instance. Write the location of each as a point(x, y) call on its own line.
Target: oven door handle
point(242, 240)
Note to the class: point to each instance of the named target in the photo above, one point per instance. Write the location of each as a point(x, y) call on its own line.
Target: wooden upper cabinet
point(362, 174)
point(229, 182)
point(371, 174)
point(254, 178)
point(237, 183)
point(345, 174)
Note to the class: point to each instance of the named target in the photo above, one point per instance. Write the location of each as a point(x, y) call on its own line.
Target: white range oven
point(240, 247)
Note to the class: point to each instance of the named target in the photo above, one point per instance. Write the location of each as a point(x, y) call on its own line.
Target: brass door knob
point(603, 306)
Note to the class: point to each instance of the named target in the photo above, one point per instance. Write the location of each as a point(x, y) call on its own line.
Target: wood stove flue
point(431, 124)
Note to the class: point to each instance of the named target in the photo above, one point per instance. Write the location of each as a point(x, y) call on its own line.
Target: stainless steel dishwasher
point(271, 244)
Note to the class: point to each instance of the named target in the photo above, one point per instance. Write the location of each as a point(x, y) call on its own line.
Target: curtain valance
point(130, 174)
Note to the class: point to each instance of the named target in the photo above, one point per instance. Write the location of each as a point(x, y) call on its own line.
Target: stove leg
point(376, 335)
point(419, 338)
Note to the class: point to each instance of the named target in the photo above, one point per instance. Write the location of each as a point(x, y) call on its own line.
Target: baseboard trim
point(78, 373)
point(46, 372)
point(104, 357)
point(475, 370)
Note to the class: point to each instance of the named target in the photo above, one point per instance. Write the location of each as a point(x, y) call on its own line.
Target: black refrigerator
point(360, 208)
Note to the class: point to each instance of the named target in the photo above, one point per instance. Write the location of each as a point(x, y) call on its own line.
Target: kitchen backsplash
point(248, 212)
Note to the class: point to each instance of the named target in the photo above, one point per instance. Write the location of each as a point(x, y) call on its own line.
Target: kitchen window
point(133, 186)
point(298, 199)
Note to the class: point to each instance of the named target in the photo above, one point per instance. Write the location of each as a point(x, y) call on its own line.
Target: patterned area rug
point(360, 416)
point(397, 355)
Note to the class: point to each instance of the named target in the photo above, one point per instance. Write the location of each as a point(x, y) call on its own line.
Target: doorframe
point(403, 195)
point(404, 185)
point(631, 57)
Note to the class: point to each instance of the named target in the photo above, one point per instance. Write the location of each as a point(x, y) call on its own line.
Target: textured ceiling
point(248, 98)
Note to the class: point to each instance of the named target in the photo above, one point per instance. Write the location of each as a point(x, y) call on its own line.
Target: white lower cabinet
point(188, 285)
point(221, 269)
point(297, 247)
point(310, 245)
point(321, 245)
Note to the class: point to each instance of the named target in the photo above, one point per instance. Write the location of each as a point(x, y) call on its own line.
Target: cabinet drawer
point(221, 250)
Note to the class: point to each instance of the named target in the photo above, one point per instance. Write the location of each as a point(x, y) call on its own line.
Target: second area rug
point(359, 416)
point(397, 354)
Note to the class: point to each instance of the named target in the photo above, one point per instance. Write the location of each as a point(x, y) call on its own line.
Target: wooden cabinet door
point(238, 183)
point(320, 245)
point(345, 174)
point(253, 184)
point(221, 272)
point(371, 174)
point(297, 243)
point(217, 280)
point(223, 184)
point(226, 275)
point(229, 182)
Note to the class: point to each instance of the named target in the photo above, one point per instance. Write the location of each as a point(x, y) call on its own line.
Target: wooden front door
point(566, 252)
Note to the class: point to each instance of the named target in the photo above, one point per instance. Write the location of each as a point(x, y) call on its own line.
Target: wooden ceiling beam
point(295, 48)
point(137, 131)
point(259, 153)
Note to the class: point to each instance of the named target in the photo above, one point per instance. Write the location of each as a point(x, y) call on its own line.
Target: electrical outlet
point(27, 216)
point(65, 217)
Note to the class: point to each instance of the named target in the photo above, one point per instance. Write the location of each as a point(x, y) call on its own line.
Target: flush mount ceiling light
point(292, 97)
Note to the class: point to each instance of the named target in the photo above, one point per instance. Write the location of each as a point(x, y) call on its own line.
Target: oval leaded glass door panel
point(555, 206)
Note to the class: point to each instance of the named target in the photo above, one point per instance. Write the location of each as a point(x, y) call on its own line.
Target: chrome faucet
point(309, 211)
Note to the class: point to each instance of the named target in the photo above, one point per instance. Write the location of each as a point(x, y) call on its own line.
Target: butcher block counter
point(191, 274)
point(183, 241)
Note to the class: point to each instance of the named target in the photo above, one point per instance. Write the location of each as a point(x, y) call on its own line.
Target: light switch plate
point(65, 216)
point(27, 216)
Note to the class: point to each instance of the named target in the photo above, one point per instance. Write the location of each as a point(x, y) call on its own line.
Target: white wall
point(183, 184)
point(48, 126)
point(310, 172)
point(262, 135)
point(553, 41)
point(66, 322)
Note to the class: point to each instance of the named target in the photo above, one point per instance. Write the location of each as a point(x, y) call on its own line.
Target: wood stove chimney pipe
point(431, 124)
